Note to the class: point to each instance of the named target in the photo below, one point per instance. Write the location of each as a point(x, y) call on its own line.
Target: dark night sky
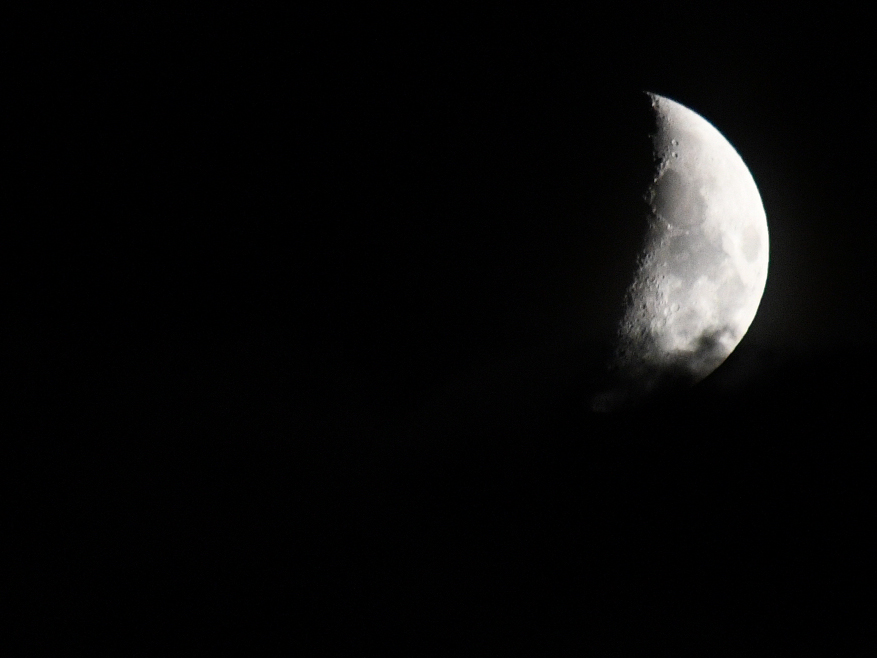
point(303, 310)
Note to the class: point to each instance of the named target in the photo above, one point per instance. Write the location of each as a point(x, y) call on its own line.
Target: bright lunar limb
point(702, 271)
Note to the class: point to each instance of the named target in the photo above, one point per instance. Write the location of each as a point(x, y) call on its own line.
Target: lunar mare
point(702, 271)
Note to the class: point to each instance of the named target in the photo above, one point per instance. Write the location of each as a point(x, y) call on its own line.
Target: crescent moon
point(701, 273)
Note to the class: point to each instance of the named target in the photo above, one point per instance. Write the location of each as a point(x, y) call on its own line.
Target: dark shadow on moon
point(666, 375)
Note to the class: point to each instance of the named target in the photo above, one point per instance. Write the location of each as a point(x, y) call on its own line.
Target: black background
point(304, 309)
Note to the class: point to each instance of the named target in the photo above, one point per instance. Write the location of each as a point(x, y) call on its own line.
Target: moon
point(701, 272)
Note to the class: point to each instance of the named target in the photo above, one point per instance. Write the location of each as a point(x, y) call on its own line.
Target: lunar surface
point(702, 270)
